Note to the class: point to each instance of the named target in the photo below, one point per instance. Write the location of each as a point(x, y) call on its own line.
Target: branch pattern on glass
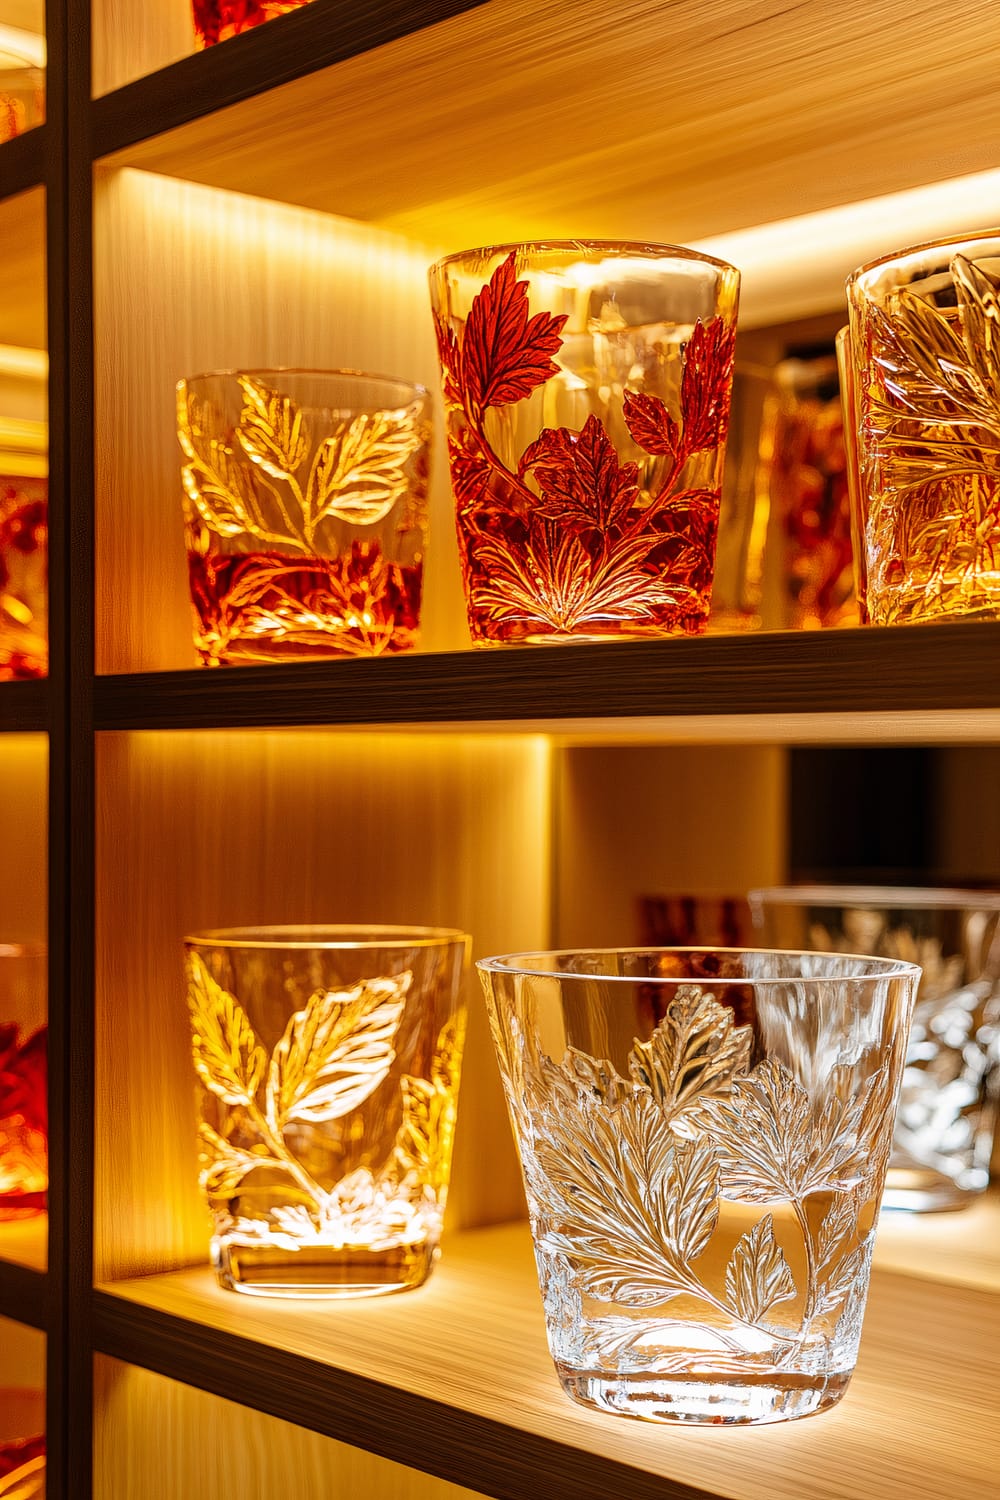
point(274, 567)
point(23, 578)
point(334, 1054)
point(627, 1178)
point(23, 1120)
point(566, 543)
point(930, 412)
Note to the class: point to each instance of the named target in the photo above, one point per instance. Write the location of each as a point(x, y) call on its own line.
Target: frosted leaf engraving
point(643, 1187)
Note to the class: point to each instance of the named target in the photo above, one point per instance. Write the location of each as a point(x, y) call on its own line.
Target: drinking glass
point(704, 1135)
point(925, 372)
point(948, 1102)
point(328, 1060)
point(587, 390)
point(24, 1135)
point(305, 508)
point(24, 577)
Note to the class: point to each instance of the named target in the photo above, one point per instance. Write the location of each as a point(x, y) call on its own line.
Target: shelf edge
point(24, 707)
point(23, 162)
point(24, 1295)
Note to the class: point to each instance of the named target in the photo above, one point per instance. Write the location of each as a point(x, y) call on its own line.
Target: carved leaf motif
point(758, 1275)
point(629, 1203)
point(226, 1054)
point(505, 354)
point(214, 480)
point(272, 430)
point(335, 1052)
point(840, 1220)
point(430, 1108)
point(837, 1286)
point(581, 479)
point(706, 385)
point(578, 1072)
point(695, 1052)
point(358, 473)
point(224, 1165)
point(979, 304)
point(651, 424)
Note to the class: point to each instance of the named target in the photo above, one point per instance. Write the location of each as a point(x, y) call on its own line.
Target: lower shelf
point(455, 1379)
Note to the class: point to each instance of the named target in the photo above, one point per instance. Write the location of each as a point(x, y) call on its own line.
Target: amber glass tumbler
point(328, 1061)
point(305, 507)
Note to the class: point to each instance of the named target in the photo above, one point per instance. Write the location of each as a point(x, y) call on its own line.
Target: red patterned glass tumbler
point(587, 389)
point(218, 20)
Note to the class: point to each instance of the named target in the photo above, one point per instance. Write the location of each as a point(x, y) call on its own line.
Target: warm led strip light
point(23, 364)
point(797, 266)
point(25, 46)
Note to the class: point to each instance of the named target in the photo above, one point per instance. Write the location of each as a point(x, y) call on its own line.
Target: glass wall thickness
point(704, 1137)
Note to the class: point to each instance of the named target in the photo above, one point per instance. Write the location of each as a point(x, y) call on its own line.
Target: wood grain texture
point(215, 830)
point(674, 123)
point(22, 1378)
point(456, 1378)
point(636, 822)
point(919, 669)
point(188, 280)
point(23, 779)
point(962, 1248)
point(160, 1440)
point(22, 255)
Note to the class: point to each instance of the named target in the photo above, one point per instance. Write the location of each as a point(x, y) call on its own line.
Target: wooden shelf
point(517, 119)
point(938, 681)
point(23, 1282)
point(22, 162)
point(23, 706)
point(456, 1379)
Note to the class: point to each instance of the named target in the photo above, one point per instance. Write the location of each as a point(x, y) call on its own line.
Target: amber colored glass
point(24, 577)
point(24, 1171)
point(218, 20)
point(22, 83)
point(948, 1103)
point(704, 1136)
point(305, 508)
point(329, 1062)
point(925, 358)
point(587, 390)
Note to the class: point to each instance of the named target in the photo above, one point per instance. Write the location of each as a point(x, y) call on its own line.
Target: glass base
point(320, 1270)
point(717, 1401)
point(921, 1190)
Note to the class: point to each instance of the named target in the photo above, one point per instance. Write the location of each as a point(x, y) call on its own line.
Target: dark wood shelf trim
point(318, 36)
point(24, 707)
point(952, 667)
point(24, 1295)
point(23, 162)
point(490, 1457)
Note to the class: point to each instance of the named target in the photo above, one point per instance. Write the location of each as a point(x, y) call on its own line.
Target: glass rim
point(629, 249)
point(418, 391)
point(342, 936)
point(881, 968)
point(881, 261)
point(949, 898)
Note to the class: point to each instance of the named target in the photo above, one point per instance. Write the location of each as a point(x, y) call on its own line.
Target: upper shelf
point(919, 682)
point(455, 1379)
point(517, 119)
point(23, 707)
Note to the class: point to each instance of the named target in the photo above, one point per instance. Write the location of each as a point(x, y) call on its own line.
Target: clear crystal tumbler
point(925, 370)
point(704, 1136)
point(948, 1102)
point(328, 1061)
point(587, 391)
point(305, 509)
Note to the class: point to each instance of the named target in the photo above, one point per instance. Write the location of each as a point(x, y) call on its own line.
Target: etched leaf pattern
point(931, 418)
point(758, 1274)
point(357, 473)
point(227, 1057)
point(430, 1109)
point(626, 1175)
point(564, 542)
point(335, 1051)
